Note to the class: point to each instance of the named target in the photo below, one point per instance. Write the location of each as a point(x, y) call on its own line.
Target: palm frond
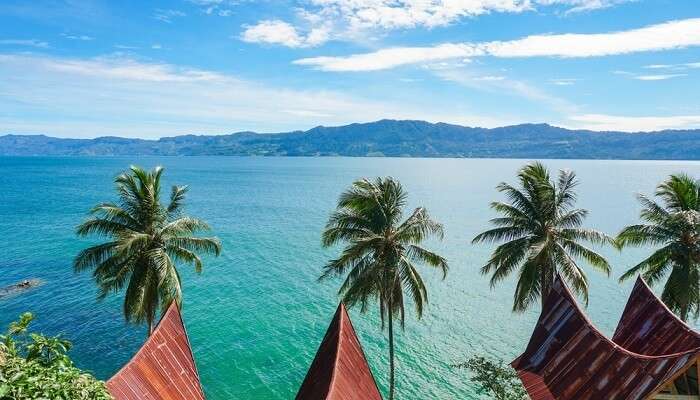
point(206, 245)
point(177, 198)
point(419, 254)
point(658, 261)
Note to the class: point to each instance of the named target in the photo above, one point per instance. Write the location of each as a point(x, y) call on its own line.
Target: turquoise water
point(257, 314)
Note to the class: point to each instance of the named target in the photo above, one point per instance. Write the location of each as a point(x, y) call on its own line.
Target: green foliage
point(37, 367)
point(674, 226)
point(541, 234)
point(145, 241)
point(382, 250)
point(495, 379)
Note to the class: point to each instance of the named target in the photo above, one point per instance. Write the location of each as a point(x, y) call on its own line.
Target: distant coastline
point(389, 138)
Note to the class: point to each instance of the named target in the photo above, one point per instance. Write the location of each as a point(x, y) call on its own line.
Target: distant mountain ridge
point(389, 138)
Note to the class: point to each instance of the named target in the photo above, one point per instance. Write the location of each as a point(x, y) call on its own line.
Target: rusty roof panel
point(648, 327)
point(568, 358)
point(163, 368)
point(339, 370)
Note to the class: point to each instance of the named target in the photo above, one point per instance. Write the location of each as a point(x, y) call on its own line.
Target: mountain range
point(389, 138)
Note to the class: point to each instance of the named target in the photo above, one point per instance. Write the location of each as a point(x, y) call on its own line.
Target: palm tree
point(146, 241)
point(381, 252)
point(674, 226)
point(541, 234)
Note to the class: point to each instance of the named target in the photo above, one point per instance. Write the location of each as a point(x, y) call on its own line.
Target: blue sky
point(91, 68)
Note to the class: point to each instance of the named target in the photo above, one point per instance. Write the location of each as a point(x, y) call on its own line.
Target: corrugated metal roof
point(339, 370)
point(648, 327)
point(567, 358)
point(163, 368)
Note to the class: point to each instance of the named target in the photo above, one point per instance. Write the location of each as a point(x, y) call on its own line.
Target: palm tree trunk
point(150, 326)
point(391, 354)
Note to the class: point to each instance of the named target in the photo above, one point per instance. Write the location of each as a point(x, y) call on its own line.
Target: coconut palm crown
point(674, 226)
point(146, 241)
point(381, 253)
point(541, 231)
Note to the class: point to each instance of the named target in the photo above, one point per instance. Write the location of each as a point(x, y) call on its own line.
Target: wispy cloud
point(489, 78)
point(665, 36)
point(390, 58)
point(603, 122)
point(24, 42)
point(345, 20)
point(563, 81)
point(221, 8)
point(504, 85)
point(77, 37)
point(647, 77)
point(127, 97)
point(168, 15)
point(577, 6)
point(660, 77)
point(674, 67)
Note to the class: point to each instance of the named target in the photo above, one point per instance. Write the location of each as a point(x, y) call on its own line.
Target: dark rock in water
point(20, 287)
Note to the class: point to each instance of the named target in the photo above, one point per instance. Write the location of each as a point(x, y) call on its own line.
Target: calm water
point(256, 315)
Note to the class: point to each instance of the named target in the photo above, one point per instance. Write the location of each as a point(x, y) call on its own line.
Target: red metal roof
point(163, 368)
point(648, 327)
point(569, 359)
point(339, 370)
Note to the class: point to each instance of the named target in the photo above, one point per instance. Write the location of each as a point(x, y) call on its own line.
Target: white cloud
point(390, 58)
point(352, 19)
point(127, 97)
point(393, 14)
point(660, 77)
point(602, 122)
point(24, 42)
point(168, 15)
point(665, 36)
point(282, 33)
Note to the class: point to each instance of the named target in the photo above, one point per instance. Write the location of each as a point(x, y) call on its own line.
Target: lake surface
point(257, 313)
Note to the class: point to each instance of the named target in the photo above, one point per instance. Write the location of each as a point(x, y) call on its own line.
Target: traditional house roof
point(648, 327)
point(340, 370)
point(163, 368)
point(567, 358)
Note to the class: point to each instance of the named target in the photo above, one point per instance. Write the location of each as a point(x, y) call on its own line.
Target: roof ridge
point(597, 332)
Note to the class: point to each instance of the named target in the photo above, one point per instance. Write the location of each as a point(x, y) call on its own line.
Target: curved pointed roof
point(163, 368)
point(567, 358)
point(648, 327)
point(339, 370)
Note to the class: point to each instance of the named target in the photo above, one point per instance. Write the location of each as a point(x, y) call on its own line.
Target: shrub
point(495, 379)
point(37, 367)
